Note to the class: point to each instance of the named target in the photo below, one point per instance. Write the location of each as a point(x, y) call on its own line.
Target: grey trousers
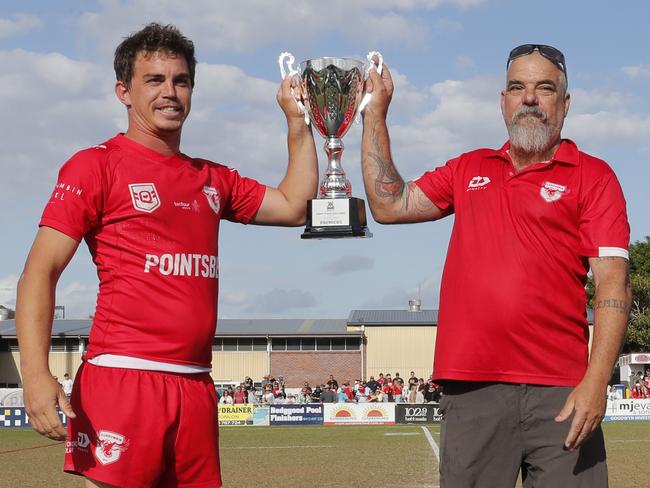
point(492, 431)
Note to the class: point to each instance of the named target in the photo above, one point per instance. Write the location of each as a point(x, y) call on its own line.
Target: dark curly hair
point(152, 38)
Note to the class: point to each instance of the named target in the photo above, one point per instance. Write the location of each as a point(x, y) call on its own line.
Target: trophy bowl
point(334, 97)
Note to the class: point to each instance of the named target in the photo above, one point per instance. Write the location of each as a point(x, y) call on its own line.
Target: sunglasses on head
point(549, 52)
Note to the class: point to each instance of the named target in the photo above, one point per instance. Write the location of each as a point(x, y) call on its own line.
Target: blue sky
point(448, 60)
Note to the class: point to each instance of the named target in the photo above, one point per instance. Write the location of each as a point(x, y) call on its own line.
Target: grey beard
point(530, 139)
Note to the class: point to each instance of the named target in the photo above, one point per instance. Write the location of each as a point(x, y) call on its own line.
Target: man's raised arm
point(287, 204)
point(391, 199)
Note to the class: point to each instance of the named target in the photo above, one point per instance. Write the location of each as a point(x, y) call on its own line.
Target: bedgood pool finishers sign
point(296, 414)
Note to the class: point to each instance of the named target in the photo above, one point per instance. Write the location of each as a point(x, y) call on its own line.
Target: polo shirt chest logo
point(551, 192)
point(478, 183)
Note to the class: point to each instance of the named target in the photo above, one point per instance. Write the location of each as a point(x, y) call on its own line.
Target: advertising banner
point(627, 410)
point(240, 414)
point(417, 413)
point(261, 416)
point(296, 414)
point(358, 413)
point(11, 397)
point(16, 418)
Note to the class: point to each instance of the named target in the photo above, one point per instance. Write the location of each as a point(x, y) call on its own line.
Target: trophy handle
point(294, 73)
point(371, 64)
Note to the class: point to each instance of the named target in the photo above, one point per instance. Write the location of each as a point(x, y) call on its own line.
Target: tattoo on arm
point(416, 199)
point(614, 304)
point(388, 183)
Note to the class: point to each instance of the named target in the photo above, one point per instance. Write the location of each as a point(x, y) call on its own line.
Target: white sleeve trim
point(619, 252)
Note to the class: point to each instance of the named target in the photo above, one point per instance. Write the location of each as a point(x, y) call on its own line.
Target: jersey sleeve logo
point(212, 194)
point(144, 197)
point(551, 192)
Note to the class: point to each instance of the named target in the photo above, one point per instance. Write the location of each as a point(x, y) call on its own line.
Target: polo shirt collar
point(567, 152)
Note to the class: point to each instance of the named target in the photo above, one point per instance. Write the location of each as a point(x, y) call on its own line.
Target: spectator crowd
point(383, 388)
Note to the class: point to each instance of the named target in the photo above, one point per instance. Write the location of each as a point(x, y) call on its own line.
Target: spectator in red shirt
point(397, 391)
point(240, 395)
point(349, 392)
point(388, 391)
point(637, 391)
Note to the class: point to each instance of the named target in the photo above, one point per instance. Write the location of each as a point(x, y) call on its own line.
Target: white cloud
point(18, 24)
point(641, 71)
point(57, 106)
point(348, 264)
point(8, 286)
point(606, 128)
point(245, 26)
point(414, 4)
point(78, 298)
point(281, 301)
point(456, 116)
point(394, 298)
point(596, 100)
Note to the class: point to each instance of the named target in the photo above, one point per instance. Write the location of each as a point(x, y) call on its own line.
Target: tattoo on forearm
point(388, 183)
point(614, 304)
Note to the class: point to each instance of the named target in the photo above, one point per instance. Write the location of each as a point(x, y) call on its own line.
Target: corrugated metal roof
point(282, 327)
point(276, 327)
point(225, 327)
point(393, 317)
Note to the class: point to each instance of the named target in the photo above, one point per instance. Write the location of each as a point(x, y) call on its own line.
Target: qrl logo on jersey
point(144, 197)
point(214, 200)
point(478, 183)
point(110, 446)
point(552, 192)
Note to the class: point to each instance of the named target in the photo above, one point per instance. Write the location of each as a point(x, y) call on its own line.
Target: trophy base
point(336, 218)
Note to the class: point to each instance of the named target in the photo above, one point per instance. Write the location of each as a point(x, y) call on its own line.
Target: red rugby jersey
point(512, 300)
point(151, 223)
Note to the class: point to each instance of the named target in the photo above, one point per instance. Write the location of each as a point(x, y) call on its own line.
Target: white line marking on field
point(630, 440)
point(432, 443)
point(277, 447)
point(402, 433)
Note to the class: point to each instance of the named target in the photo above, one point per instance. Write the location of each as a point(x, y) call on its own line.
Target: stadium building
point(367, 343)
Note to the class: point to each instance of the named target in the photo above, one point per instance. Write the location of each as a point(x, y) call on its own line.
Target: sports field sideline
point(305, 456)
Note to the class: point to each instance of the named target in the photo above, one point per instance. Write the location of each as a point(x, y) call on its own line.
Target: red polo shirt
point(512, 301)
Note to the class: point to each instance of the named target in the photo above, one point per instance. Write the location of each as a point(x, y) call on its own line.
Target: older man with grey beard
point(523, 394)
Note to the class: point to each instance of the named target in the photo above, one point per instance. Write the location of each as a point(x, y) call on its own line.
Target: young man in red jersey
point(521, 392)
point(143, 409)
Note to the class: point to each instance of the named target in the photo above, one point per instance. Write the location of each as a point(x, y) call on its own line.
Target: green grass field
point(345, 456)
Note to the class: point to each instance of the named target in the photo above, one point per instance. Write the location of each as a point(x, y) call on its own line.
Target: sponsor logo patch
point(478, 183)
point(214, 200)
point(110, 446)
point(144, 197)
point(551, 192)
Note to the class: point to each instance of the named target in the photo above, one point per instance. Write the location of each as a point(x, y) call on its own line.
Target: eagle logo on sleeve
point(214, 200)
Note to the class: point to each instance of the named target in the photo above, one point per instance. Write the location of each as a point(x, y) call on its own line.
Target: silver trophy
point(334, 93)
